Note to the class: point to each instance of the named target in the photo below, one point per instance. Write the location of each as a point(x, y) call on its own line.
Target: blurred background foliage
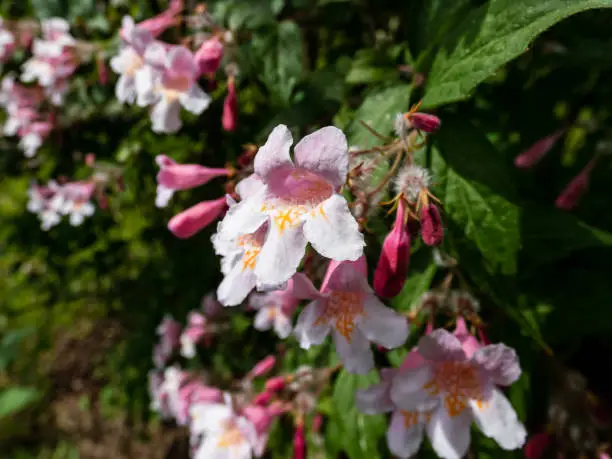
point(79, 306)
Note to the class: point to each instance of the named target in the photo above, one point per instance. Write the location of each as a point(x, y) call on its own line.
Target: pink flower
point(169, 82)
point(158, 24)
point(32, 136)
point(263, 367)
point(261, 418)
point(193, 392)
point(224, 432)
point(432, 231)
point(208, 56)
point(169, 331)
point(276, 309)
point(210, 305)
point(229, 120)
point(130, 60)
point(176, 176)
point(193, 333)
point(537, 151)
point(349, 309)
point(392, 266)
point(576, 189)
point(194, 219)
point(451, 390)
point(300, 204)
point(7, 43)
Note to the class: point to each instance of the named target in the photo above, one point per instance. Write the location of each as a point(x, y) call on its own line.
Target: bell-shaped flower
point(300, 203)
point(224, 433)
point(276, 309)
point(348, 308)
point(392, 267)
point(239, 252)
point(196, 218)
point(130, 59)
point(168, 82)
point(175, 176)
point(454, 390)
point(194, 332)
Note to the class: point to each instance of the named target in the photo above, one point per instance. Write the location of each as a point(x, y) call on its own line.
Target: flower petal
point(408, 389)
point(280, 256)
point(282, 325)
point(497, 419)
point(333, 231)
point(263, 320)
point(302, 288)
point(274, 154)
point(209, 418)
point(355, 354)
point(346, 275)
point(324, 152)
point(125, 89)
point(181, 61)
point(195, 100)
point(165, 116)
point(249, 186)
point(236, 285)
point(308, 329)
point(375, 399)
point(441, 345)
point(449, 436)
point(382, 324)
point(245, 217)
point(500, 362)
point(404, 440)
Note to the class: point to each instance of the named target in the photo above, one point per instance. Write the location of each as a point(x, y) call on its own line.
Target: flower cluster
point(164, 76)
point(220, 422)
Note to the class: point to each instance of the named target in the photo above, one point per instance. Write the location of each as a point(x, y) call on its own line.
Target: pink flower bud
point(102, 72)
point(263, 367)
point(432, 231)
point(184, 176)
point(299, 442)
point(229, 120)
point(90, 159)
point(262, 399)
point(575, 190)
point(317, 422)
point(158, 24)
point(536, 445)
point(275, 384)
point(392, 266)
point(192, 220)
point(208, 57)
point(429, 327)
point(425, 122)
point(536, 152)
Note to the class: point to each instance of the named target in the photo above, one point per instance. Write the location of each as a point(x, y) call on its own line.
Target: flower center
point(231, 436)
point(457, 382)
point(343, 308)
point(135, 63)
point(251, 244)
point(174, 85)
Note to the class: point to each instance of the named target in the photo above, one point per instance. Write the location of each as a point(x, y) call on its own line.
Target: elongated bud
point(576, 189)
point(425, 122)
point(536, 152)
point(263, 367)
point(102, 72)
point(392, 266)
point(536, 445)
point(432, 231)
point(299, 442)
point(185, 176)
point(158, 24)
point(208, 56)
point(229, 120)
point(275, 384)
point(192, 220)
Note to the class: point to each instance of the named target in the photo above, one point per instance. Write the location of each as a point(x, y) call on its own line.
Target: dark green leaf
point(16, 399)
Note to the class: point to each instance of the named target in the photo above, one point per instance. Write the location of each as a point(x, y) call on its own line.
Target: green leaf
point(549, 234)
point(9, 346)
point(477, 192)
point(16, 399)
point(378, 110)
point(282, 55)
point(487, 38)
point(360, 433)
